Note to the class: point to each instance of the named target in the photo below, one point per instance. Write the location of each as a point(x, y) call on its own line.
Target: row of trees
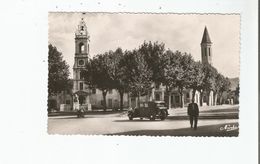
point(137, 70)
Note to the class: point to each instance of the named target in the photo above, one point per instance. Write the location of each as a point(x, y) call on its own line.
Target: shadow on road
point(220, 116)
point(137, 120)
point(172, 118)
point(71, 113)
point(218, 130)
point(70, 118)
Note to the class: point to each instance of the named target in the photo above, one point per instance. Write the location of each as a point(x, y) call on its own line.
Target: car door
point(145, 110)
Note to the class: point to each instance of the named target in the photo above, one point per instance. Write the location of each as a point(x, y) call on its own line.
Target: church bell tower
point(206, 51)
point(206, 57)
point(80, 88)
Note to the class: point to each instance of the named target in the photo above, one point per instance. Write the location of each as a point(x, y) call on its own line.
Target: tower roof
point(206, 38)
point(82, 28)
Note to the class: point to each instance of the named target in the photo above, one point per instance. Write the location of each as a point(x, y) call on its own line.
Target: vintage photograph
point(147, 74)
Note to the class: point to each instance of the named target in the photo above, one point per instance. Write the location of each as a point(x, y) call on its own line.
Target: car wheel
point(163, 115)
point(152, 117)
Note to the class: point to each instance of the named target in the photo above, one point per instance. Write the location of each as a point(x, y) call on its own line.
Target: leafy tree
point(178, 70)
point(58, 76)
point(153, 53)
point(138, 75)
point(219, 82)
point(196, 78)
point(209, 81)
point(116, 73)
point(172, 69)
point(224, 88)
point(183, 76)
point(97, 76)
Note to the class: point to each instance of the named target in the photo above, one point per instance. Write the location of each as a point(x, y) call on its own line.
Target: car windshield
point(160, 104)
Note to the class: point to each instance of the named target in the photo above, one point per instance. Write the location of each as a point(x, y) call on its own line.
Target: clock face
point(81, 62)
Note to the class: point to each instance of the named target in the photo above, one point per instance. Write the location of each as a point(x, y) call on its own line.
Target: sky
point(182, 32)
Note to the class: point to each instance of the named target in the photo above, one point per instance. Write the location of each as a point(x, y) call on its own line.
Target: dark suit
point(193, 112)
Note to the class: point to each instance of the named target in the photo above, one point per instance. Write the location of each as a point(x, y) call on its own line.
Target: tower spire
point(206, 50)
point(206, 38)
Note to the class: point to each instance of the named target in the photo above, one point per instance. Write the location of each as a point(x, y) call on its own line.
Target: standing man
point(193, 112)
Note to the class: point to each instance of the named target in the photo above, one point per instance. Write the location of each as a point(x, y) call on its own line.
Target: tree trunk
point(72, 102)
point(104, 93)
point(121, 93)
point(201, 97)
point(169, 96)
point(138, 98)
point(181, 94)
point(193, 94)
point(129, 100)
point(215, 99)
point(220, 98)
point(207, 97)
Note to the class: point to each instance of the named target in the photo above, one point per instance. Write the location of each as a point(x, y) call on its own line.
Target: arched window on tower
point(209, 51)
point(81, 47)
point(205, 51)
point(81, 75)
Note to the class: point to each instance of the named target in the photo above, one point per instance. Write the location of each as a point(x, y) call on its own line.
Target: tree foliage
point(138, 75)
point(135, 72)
point(153, 53)
point(178, 71)
point(97, 75)
point(195, 80)
point(116, 72)
point(58, 72)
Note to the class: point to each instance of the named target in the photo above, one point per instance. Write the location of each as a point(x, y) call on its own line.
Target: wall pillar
point(162, 96)
point(129, 100)
point(211, 98)
point(182, 100)
point(152, 95)
point(88, 103)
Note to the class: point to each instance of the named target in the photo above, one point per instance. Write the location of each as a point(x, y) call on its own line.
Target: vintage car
point(150, 110)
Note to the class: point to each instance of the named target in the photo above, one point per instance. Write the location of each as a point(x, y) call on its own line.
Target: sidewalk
point(219, 110)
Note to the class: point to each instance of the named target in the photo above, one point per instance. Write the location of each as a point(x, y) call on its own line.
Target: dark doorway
point(157, 96)
point(81, 100)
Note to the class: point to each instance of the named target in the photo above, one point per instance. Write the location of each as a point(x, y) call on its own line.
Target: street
point(213, 122)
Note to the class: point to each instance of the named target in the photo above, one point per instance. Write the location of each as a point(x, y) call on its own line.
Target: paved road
point(119, 124)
